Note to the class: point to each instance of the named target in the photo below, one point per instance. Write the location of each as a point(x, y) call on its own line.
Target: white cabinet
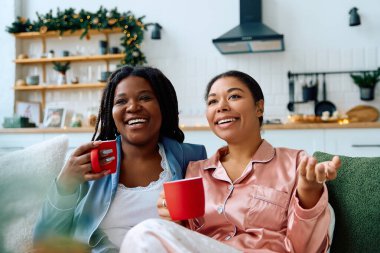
point(342, 141)
point(349, 142)
point(206, 138)
point(310, 140)
point(15, 141)
point(353, 142)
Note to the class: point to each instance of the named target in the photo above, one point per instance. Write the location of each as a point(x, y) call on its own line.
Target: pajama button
point(219, 209)
point(227, 238)
point(230, 187)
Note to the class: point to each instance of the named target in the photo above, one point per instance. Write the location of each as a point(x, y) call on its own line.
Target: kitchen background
point(317, 37)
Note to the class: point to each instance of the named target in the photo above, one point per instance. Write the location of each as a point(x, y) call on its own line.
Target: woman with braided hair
point(139, 109)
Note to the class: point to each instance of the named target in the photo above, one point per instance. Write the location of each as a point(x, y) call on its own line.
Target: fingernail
point(108, 159)
point(106, 151)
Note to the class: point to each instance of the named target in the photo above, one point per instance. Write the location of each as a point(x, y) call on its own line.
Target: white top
point(133, 205)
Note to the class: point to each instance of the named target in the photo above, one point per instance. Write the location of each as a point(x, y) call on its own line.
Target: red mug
point(185, 198)
point(95, 155)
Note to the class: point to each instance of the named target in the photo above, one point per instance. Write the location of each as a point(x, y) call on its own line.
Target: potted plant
point(366, 81)
point(61, 68)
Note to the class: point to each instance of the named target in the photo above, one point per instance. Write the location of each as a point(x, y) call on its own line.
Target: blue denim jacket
point(80, 214)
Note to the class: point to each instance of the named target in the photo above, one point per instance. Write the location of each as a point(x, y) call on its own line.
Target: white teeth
point(136, 121)
point(225, 121)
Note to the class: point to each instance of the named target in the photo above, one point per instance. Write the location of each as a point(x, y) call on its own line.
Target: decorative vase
point(103, 44)
point(367, 94)
point(61, 78)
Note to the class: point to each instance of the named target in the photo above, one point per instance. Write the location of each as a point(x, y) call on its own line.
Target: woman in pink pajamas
point(258, 198)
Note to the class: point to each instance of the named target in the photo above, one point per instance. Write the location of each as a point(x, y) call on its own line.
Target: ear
point(260, 108)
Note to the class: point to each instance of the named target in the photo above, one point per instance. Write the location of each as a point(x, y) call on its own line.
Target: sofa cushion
point(25, 176)
point(354, 195)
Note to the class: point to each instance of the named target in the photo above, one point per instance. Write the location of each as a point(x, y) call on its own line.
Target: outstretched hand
point(312, 176)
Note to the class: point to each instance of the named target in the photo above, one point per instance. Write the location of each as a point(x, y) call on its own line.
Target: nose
point(133, 106)
point(223, 106)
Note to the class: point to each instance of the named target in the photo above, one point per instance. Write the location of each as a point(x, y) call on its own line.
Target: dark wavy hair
point(251, 84)
point(105, 128)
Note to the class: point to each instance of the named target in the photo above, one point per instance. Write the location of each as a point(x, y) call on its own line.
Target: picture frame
point(54, 117)
point(31, 110)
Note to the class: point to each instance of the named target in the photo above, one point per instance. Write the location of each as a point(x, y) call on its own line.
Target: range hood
point(251, 36)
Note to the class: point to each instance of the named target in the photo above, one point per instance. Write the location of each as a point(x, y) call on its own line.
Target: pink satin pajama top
point(260, 211)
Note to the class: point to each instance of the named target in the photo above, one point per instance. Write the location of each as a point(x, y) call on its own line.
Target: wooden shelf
point(43, 89)
point(61, 87)
point(106, 57)
point(52, 34)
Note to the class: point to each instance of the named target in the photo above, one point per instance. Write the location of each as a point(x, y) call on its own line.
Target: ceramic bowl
point(32, 80)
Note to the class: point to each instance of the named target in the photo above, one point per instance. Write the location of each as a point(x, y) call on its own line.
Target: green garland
point(69, 20)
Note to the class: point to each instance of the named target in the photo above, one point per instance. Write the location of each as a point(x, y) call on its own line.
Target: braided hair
point(105, 128)
point(251, 84)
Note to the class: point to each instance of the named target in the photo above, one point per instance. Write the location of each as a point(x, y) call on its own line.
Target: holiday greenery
point(70, 20)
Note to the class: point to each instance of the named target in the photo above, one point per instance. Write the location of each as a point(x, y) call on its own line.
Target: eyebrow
point(228, 91)
point(140, 92)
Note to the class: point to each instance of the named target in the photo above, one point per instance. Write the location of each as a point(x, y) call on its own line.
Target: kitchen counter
point(289, 126)
point(292, 126)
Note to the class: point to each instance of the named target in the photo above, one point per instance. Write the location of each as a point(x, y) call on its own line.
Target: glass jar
point(92, 115)
point(76, 120)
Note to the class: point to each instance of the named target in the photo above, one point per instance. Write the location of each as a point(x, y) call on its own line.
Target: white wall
point(7, 52)
point(317, 38)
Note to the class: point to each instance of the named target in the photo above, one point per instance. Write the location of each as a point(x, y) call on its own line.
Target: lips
point(135, 121)
point(225, 120)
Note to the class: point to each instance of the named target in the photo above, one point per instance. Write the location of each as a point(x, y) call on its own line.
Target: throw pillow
point(25, 177)
point(354, 195)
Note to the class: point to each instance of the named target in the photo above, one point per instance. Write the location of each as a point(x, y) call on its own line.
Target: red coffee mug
point(185, 198)
point(104, 145)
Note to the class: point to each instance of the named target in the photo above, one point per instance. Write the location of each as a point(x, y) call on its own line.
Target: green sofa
point(355, 197)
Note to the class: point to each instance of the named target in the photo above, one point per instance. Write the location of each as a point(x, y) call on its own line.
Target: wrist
point(65, 188)
point(309, 196)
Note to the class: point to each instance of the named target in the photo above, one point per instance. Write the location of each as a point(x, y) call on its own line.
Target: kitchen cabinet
point(353, 142)
point(356, 139)
point(308, 140)
point(42, 89)
point(16, 139)
point(348, 142)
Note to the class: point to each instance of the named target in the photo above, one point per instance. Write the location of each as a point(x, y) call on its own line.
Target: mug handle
point(95, 161)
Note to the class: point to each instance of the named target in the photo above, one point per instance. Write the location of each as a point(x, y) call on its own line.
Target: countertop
point(287, 126)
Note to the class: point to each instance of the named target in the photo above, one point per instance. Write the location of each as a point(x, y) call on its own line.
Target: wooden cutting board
point(363, 113)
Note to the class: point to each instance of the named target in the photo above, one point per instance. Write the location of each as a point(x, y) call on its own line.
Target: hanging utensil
point(324, 105)
point(290, 105)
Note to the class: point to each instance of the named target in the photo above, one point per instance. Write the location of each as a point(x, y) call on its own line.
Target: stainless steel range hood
point(251, 36)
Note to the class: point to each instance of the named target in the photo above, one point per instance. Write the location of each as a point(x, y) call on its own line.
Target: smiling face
point(136, 111)
point(232, 113)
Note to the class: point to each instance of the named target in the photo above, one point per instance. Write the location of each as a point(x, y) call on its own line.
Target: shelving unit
point(44, 62)
point(88, 58)
point(61, 87)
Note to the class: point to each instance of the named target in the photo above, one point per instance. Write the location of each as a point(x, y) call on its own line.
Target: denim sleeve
point(104, 245)
point(57, 214)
